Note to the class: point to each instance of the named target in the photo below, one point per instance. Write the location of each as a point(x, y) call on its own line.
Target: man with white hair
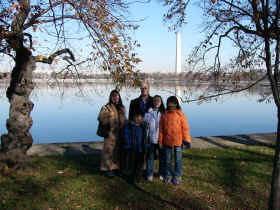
point(142, 103)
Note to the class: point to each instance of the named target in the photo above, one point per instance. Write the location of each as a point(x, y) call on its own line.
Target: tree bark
point(274, 202)
point(18, 140)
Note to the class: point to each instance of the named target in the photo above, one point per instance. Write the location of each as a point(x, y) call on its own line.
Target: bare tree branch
point(225, 93)
point(51, 58)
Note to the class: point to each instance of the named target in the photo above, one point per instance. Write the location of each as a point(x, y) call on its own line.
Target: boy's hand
point(187, 145)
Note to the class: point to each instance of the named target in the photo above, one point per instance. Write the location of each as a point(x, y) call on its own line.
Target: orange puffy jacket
point(174, 128)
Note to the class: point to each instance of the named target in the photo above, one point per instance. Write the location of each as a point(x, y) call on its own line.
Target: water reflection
point(68, 113)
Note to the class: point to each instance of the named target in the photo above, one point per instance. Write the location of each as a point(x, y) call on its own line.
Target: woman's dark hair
point(161, 109)
point(138, 113)
point(174, 100)
point(120, 104)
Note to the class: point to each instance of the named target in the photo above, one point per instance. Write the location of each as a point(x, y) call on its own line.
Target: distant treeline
point(208, 76)
point(157, 76)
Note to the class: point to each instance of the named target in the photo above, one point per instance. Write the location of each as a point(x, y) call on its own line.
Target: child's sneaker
point(150, 178)
point(176, 181)
point(167, 180)
point(161, 178)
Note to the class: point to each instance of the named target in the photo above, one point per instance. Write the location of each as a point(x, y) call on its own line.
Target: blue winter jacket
point(135, 137)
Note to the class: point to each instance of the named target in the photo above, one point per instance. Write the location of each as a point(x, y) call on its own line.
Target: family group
point(150, 133)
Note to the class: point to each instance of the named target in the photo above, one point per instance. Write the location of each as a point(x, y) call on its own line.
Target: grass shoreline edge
point(78, 148)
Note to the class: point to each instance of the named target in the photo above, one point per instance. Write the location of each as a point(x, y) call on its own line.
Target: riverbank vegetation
point(187, 76)
point(235, 178)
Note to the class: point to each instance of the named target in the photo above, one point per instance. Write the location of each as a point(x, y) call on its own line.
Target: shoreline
point(203, 142)
point(106, 80)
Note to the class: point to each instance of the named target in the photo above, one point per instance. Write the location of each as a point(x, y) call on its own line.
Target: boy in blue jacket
point(135, 144)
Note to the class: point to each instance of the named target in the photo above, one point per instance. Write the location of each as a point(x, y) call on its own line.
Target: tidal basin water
point(69, 114)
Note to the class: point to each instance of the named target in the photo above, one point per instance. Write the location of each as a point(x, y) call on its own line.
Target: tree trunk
point(15, 144)
point(274, 202)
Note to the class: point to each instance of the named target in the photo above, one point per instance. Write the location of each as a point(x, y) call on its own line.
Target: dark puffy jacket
point(135, 106)
point(130, 142)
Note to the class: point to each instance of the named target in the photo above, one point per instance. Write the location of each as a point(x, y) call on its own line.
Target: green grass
point(235, 178)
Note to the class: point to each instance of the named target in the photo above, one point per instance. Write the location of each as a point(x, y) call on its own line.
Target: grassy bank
point(212, 179)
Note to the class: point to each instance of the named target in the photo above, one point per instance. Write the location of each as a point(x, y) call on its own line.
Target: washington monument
point(178, 65)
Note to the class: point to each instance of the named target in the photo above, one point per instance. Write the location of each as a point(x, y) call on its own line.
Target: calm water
point(70, 114)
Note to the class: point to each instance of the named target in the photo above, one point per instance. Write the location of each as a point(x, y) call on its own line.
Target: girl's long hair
point(120, 105)
point(161, 109)
point(174, 100)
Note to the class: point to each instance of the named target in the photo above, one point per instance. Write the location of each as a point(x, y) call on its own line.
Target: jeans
point(177, 171)
point(150, 160)
point(137, 168)
point(132, 163)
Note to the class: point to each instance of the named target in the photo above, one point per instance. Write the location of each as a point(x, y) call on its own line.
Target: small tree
point(253, 26)
point(33, 31)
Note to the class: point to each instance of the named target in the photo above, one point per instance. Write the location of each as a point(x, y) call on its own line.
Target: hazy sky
point(158, 45)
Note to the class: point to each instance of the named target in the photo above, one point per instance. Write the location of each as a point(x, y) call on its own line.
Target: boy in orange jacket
point(173, 132)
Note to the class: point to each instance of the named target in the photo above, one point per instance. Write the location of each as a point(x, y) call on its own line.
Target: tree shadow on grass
point(232, 162)
point(83, 163)
point(238, 139)
point(248, 156)
point(234, 183)
point(120, 190)
point(249, 141)
point(83, 150)
point(117, 192)
point(26, 190)
point(183, 201)
point(27, 193)
point(120, 193)
point(229, 173)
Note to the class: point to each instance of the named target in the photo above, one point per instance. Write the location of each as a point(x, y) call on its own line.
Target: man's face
point(144, 89)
